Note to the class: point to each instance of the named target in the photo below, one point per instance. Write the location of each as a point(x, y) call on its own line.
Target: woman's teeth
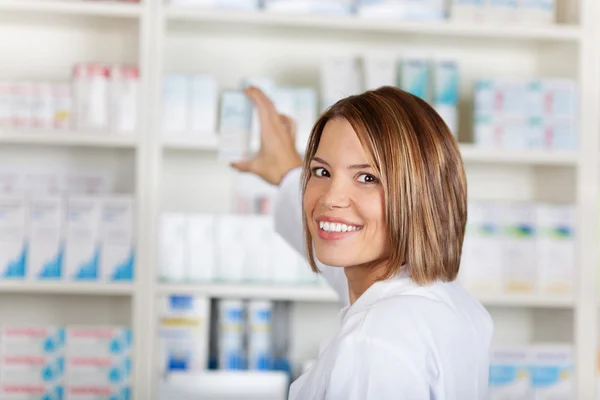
point(333, 227)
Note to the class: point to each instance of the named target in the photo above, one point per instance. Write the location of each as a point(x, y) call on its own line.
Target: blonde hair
point(421, 170)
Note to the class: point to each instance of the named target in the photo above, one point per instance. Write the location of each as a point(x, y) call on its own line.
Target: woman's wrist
point(293, 164)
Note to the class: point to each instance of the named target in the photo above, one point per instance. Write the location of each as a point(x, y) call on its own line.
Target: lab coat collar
point(379, 290)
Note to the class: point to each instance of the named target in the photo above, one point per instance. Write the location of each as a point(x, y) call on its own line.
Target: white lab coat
point(398, 340)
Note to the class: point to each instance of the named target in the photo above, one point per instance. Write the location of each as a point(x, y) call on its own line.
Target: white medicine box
point(82, 247)
point(46, 238)
point(201, 258)
point(173, 247)
point(13, 230)
point(118, 254)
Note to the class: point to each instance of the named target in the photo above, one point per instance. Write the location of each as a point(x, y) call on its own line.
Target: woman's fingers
point(245, 165)
point(290, 125)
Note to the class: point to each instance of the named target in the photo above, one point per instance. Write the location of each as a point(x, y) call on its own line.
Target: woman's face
point(344, 201)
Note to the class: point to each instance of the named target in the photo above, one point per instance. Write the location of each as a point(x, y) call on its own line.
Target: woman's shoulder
point(424, 312)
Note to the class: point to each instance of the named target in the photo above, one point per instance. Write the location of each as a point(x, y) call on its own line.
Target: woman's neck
point(362, 277)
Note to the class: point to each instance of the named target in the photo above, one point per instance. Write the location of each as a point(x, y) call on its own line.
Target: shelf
point(74, 7)
point(74, 139)
point(76, 288)
point(471, 153)
point(307, 293)
point(348, 23)
point(198, 143)
point(526, 300)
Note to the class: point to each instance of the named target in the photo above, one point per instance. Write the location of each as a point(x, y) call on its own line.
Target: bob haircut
point(422, 173)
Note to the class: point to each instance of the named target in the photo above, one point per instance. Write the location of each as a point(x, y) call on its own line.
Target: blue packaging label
point(124, 270)
point(16, 267)
point(89, 270)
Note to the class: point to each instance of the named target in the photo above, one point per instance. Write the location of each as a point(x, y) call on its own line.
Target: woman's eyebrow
point(359, 166)
point(320, 160)
point(353, 166)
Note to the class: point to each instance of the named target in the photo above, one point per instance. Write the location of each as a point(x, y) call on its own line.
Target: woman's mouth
point(336, 230)
point(336, 227)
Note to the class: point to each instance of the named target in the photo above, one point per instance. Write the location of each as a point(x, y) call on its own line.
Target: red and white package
point(5, 104)
point(22, 104)
point(124, 84)
point(90, 82)
point(63, 106)
point(43, 106)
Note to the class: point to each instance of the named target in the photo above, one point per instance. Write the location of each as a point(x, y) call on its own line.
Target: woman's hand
point(277, 154)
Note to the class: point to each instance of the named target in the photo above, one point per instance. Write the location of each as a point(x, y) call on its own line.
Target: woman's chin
point(334, 260)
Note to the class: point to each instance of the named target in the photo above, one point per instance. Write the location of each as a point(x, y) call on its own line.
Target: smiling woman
point(382, 200)
point(398, 175)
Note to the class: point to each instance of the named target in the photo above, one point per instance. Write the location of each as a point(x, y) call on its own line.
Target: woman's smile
point(331, 228)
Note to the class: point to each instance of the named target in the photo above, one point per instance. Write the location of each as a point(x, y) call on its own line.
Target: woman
point(381, 196)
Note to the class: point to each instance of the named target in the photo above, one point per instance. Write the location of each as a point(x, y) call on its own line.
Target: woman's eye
point(320, 172)
point(367, 178)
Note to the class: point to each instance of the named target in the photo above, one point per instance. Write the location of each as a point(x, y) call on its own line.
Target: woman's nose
point(336, 195)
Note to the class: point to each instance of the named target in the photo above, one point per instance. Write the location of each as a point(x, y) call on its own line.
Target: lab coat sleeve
point(288, 223)
point(364, 370)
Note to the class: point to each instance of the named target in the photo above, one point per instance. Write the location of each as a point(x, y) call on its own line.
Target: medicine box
point(231, 247)
point(46, 238)
point(83, 341)
point(260, 327)
point(97, 392)
point(98, 371)
point(204, 103)
point(519, 255)
point(118, 255)
point(124, 94)
point(13, 240)
point(510, 375)
point(235, 125)
point(552, 372)
point(201, 248)
point(258, 240)
point(173, 247)
point(82, 246)
point(30, 391)
point(446, 92)
point(481, 265)
point(232, 355)
point(31, 370)
point(32, 341)
point(379, 69)
point(340, 78)
point(176, 109)
point(555, 247)
point(183, 332)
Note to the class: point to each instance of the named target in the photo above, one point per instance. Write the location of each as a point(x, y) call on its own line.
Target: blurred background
point(134, 263)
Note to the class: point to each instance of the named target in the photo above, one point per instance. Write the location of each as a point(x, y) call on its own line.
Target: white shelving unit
point(77, 8)
point(175, 174)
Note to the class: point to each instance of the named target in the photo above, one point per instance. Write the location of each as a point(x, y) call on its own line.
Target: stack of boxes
point(519, 247)
point(100, 98)
point(80, 238)
point(32, 362)
point(242, 335)
point(228, 248)
point(540, 372)
point(76, 363)
point(435, 80)
point(98, 363)
point(513, 12)
point(538, 114)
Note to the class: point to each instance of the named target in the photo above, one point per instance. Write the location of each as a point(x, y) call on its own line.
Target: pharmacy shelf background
point(186, 175)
